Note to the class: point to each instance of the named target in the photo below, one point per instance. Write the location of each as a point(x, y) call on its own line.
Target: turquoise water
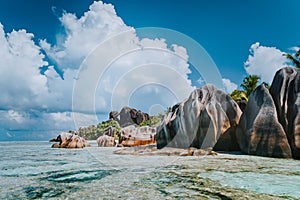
point(33, 170)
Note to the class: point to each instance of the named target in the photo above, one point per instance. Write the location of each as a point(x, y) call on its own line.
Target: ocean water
point(33, 170)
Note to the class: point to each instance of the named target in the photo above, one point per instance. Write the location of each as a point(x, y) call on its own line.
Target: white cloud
point(229, 86)
point(101, 24)
point(33, 101)
point(264, 61)
point(84, 34)
point(16, 116)
point(295, 49)
point(20, 78)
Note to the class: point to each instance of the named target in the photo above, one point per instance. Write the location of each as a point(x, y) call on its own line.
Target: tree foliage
point(249, 84)
point(239, 95)
point(294, 58)
point(153, 121)
point(93, 132)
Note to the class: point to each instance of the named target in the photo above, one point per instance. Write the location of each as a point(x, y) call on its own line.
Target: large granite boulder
point(108, 137)
point(110, 131)
point(285, 90)
point(106, 141)
point(69, 140)
point(129, 116)
point(259, 131)
point(137, 136)
point(113, 115)
point(209, 116)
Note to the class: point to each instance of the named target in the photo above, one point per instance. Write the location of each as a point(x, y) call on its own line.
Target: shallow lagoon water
point(33, 170)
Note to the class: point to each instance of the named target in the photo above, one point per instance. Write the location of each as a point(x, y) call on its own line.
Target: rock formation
point(69, 140)
point(259, 131)
point(208, 116)
point(108, 137)
point(136, 136)
point(242, 104)
point(110, 131)
point(106, 141)
point(129, 116)
point(113, 115)
point(285, 90)
point(270, 125)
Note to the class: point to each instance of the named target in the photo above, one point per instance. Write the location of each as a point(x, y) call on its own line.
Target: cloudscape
point(41, 64)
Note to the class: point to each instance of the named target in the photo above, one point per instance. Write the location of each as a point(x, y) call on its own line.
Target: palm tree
point(249, 84)
point(239, 95)
point(295, 59)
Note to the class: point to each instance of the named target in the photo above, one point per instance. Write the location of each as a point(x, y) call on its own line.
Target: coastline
point(34, 170)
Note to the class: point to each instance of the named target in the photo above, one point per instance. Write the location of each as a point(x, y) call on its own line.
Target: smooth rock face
point(242, 104)
point(69, 140)
point(136, 136)
point(259, 131)
point(106, 141)
point(285, 90)
point(129, 116)
point(113, 115)
point(208, 116)
point(110, 131)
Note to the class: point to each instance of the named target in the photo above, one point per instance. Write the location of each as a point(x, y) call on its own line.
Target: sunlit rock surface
point(285, 90)
point(136, 136)
point(69, 140)
point(129, 116)
point(207, 117)
point(106, 141)
point(259, 131)
point(270, 124)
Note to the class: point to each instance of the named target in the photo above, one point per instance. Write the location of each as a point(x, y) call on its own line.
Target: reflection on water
point(32, 170)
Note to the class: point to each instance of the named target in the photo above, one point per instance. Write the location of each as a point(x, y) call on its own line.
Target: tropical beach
point(149, 100)
point(32, 170)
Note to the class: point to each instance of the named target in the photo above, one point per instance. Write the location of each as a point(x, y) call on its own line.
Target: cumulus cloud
point(264, 61)
point(229, 86)
point(20, 78)
point(83, 34)
point(153, 66)
point(99, 25)
point(31, 100)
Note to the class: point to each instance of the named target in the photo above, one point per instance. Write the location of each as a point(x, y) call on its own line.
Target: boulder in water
point(285, 91)
point(106, 141)
point(137, 136)
point(129, 116)
point(69, 140)
point(259, 131)
point(207, 116)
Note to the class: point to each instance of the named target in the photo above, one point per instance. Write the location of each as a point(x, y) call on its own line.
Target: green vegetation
point(93, 132)
point(249, 84)
point(294, 58)
point(153, 121)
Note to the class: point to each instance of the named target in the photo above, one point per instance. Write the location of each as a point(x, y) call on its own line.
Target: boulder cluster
point(128, 116)
point(268, 126)
point(209, 119)
point(69, 140)
point(137, 136)
point(131, 134)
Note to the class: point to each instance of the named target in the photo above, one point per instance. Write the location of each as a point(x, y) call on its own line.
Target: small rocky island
point(208, 120)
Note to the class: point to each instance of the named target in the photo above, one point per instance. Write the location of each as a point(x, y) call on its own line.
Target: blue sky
point(242, 37)
point(226, 29)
